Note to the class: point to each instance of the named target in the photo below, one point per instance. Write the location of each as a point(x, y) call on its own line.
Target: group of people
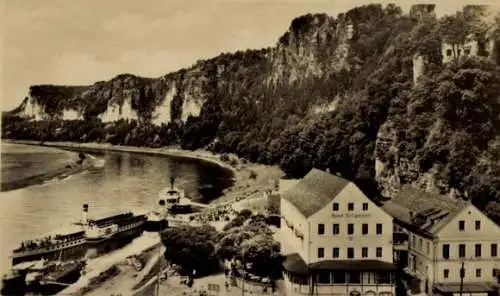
point(33, 244)
point(218, 213)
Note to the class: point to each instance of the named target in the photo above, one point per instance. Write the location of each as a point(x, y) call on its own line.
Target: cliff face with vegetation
point(335, 92)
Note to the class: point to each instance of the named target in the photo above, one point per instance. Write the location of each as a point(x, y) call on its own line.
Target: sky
point(79, 42)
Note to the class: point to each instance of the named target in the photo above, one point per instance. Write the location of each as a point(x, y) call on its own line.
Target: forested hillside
point(269, 105)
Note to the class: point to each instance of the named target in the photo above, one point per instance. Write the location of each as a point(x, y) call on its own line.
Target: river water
point(122, 181)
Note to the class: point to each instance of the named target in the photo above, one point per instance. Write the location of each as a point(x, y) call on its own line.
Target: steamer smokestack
point(85, 213)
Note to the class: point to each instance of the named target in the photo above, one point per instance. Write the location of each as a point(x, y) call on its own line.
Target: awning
point(295, 264)
point(354, 265)
point(477, 287)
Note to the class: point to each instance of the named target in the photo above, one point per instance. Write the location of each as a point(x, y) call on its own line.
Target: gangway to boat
point(55, 283)
point(200, 205)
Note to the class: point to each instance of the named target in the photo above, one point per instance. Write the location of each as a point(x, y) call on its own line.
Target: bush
point(236, 222)
point(233, 162)
point(224, 157)
point(245, 213)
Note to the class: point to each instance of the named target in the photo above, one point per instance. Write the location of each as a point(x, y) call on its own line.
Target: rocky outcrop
point(125, 97)
point(310, 41)
point(315, 46)
point(393, 170)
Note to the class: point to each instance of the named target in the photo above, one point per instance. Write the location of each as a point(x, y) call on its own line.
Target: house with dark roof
point(444, 233)
point(336, 240)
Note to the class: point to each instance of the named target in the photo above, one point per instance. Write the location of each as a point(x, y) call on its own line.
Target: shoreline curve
point(66, 170)
point(250, 179)
point(98, 147)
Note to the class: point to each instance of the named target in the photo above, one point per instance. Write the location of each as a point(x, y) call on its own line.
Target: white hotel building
point(338, 241)
point(445, 233)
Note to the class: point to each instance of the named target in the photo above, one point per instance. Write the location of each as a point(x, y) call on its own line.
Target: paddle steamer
point(110, 227)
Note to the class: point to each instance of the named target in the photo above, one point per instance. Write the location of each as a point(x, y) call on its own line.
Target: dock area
point(98, 266)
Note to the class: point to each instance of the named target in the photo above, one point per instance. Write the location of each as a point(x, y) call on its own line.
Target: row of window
point(466, 52)
point(461, 225)
point(350, 252)
point(350, 229)
point(479, 273)
point(355, 277)
point(420, 244)
point(477, 250)
point(350, 206)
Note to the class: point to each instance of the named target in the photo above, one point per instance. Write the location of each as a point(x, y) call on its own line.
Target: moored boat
point(175, 199)
point(157, 217)
point(36, 272)
point(156, 221)
point(48, 245)
point(103, 229)
point(64, 274)
point(13, 282)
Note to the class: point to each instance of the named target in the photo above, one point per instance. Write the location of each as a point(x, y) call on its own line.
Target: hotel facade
point(444, 236)
point(337, 241)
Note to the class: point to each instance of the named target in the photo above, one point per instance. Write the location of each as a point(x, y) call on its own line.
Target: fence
point(254, 287)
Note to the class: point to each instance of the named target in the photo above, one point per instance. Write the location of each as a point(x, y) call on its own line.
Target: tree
point(253, 243)
point(192, 247)
point(455, 31)
point(263, 253)
point(426, 40)
point(493, 211)
point(230, 244)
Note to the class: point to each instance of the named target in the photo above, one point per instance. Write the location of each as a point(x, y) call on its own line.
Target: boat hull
point(50, 286)
point(155, 226)
point(181, 209)
point(73, 249)
point(121, 233)
point(14, 285)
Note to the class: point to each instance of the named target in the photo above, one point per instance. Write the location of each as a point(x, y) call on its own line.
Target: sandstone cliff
point(334, 92)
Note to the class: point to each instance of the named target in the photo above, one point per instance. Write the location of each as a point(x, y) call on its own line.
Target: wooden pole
point(462, 275)
point(242, 276)
point(159, 262)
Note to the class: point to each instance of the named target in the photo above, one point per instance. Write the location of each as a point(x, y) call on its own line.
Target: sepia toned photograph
point(250, 147)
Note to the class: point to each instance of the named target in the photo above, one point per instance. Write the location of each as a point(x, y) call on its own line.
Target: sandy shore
point(61, 171)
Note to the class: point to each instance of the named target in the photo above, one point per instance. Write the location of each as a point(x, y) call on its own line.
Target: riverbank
point(250, 179)
point(57, 170)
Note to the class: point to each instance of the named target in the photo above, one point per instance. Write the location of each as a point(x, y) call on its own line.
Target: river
point(123, 181)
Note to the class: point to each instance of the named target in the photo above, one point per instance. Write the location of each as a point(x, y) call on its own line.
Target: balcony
point(400, 246)
point(400, 242)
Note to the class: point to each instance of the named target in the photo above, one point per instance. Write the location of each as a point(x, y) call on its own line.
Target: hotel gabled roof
point(425, 212)
point(314, 191)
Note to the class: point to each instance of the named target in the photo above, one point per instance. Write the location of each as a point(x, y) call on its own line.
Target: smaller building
point(336, 240)
point(472, 47)
point(443, 234)
point(476, 45)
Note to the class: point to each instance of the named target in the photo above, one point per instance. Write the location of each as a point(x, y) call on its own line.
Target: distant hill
point(382, 97)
